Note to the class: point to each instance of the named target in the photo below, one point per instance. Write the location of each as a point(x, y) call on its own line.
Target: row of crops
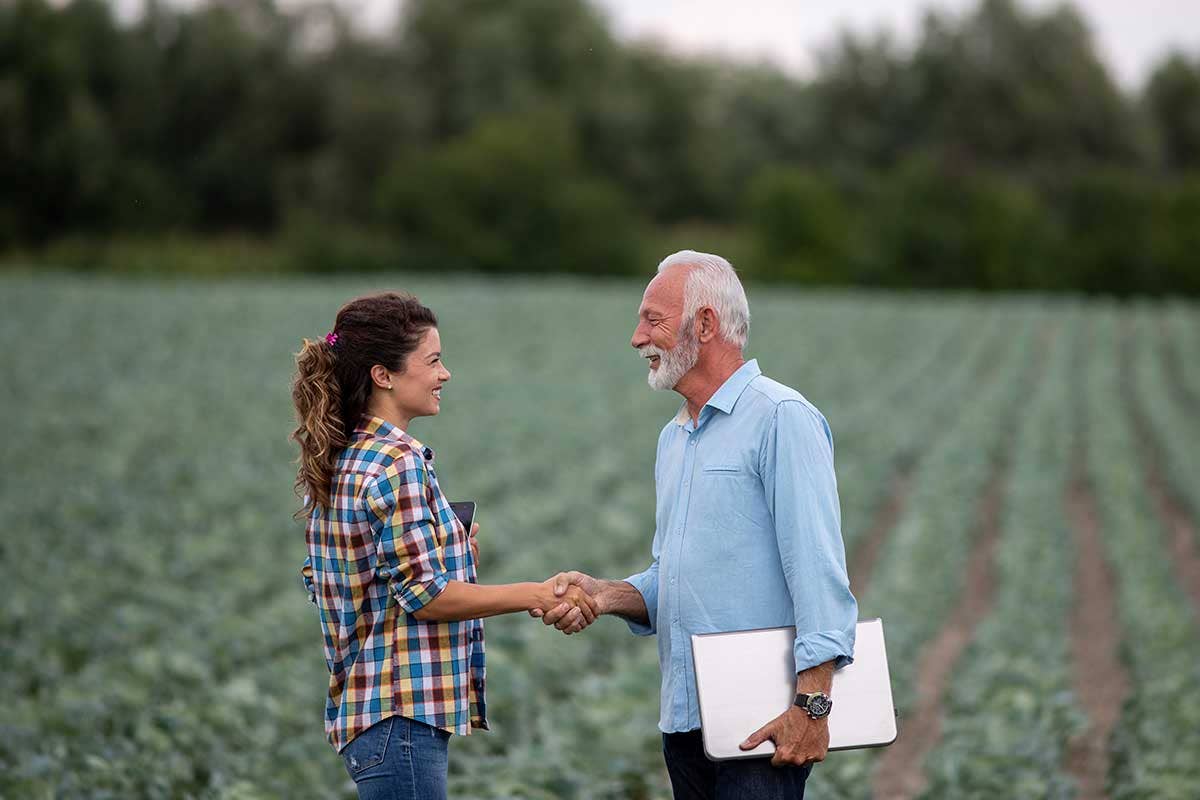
point(1009, 710)
point(157, 643)
point(919, 576)
point(1159, 730)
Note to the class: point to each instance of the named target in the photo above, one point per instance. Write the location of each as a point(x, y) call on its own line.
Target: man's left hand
point(799, 739)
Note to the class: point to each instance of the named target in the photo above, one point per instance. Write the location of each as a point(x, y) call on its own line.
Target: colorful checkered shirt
point(387, 545)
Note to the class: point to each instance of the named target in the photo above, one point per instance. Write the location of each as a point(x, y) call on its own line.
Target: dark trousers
point(694, 777)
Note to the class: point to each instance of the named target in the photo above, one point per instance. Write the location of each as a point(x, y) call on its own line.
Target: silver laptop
point(747, 678)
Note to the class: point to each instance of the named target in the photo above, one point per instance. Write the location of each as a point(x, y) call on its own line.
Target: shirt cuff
point(812, 649)
point(414, 595)
point(647, 585)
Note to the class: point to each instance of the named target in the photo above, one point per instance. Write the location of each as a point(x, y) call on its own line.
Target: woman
point(389, 565)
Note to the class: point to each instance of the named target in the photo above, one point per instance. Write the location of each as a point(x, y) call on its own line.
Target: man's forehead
point(664, 291)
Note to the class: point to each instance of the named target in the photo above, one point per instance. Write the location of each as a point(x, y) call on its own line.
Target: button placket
point(677, 643)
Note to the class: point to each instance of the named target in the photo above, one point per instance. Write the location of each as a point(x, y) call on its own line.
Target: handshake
point(570, 601)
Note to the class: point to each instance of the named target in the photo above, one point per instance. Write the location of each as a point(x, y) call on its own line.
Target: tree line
point(996, 152)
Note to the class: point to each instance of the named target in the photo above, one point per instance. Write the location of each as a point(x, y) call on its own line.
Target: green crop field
point(157, 642)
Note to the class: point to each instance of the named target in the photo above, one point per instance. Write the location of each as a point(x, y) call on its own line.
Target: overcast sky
point(1131, 34)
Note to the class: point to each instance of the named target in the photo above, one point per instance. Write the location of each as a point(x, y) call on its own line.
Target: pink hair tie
point(331, 338)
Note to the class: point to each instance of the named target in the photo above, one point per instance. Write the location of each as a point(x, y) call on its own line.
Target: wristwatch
point(817, 704)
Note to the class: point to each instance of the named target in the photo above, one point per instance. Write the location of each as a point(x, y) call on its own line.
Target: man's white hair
point(712, 282)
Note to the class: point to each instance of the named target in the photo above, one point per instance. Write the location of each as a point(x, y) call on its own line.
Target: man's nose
point(640, 338)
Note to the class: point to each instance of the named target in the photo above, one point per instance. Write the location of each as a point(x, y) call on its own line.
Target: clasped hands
point(571, 601)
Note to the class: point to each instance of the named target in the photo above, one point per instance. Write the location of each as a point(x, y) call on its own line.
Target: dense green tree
point(237, 110)
point(57, 159)
point(802, 226)
point(1173, 101)
point(511, 195)
point(936, 226)
point(1176, 237)
point(466, 60)
point(1108, 222)
point(863, 106)
point(1019, 89)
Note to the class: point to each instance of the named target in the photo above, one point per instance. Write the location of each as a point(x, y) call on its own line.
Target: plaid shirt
point(386, 547)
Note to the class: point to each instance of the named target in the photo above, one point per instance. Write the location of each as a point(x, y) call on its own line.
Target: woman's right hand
point(584, 610)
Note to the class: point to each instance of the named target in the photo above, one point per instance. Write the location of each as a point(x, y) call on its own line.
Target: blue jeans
point(695, 777)
point(398, 759)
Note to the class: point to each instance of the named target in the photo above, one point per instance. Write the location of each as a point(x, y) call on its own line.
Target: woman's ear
point(380, 377)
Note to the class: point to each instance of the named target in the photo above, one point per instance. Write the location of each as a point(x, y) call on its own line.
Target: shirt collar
point(380, 428)
point(726, 397)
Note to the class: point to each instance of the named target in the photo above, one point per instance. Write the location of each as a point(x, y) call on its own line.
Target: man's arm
point(796, 465)
point(801, 489)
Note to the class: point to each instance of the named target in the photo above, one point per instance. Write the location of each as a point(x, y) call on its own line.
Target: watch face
point(819, 705)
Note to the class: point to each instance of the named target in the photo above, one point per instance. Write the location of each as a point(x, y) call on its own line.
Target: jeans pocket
point(369, 748)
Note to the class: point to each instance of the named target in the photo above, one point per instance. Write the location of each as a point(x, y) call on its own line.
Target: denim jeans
point(398, 759)
point(695, 777)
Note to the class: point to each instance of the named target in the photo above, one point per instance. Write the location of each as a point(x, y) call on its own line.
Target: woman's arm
point(461, 600)
point(413, 563)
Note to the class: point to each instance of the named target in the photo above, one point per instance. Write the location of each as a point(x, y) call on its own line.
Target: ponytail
point(332, 387)
point(320, 429)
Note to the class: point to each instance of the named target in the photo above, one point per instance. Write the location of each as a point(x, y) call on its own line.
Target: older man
point(748, 530)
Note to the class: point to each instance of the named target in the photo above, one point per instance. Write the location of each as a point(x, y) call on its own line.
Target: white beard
point(673, 364)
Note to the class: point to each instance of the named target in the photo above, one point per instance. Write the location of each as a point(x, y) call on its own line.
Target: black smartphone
point(465, 511)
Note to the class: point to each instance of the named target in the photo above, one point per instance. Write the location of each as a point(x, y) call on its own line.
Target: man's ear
point(706, 324)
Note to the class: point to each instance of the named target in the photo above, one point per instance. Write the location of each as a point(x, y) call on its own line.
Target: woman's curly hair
point(332, 385)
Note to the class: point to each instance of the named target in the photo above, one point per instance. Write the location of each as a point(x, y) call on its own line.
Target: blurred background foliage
point(995, 152)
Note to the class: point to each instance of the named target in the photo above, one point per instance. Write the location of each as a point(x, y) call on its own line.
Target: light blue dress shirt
point(748, 534)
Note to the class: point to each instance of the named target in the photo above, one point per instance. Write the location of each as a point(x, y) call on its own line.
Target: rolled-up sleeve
point(801, 489)
point(406, 535)
point(646, 582)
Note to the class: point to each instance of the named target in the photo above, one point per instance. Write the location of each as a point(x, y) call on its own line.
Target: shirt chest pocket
point(728, 497)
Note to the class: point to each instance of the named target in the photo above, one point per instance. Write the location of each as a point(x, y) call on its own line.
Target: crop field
point(1020, 487)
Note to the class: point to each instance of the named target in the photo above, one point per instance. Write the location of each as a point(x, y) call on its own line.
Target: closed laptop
point(747, 678)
